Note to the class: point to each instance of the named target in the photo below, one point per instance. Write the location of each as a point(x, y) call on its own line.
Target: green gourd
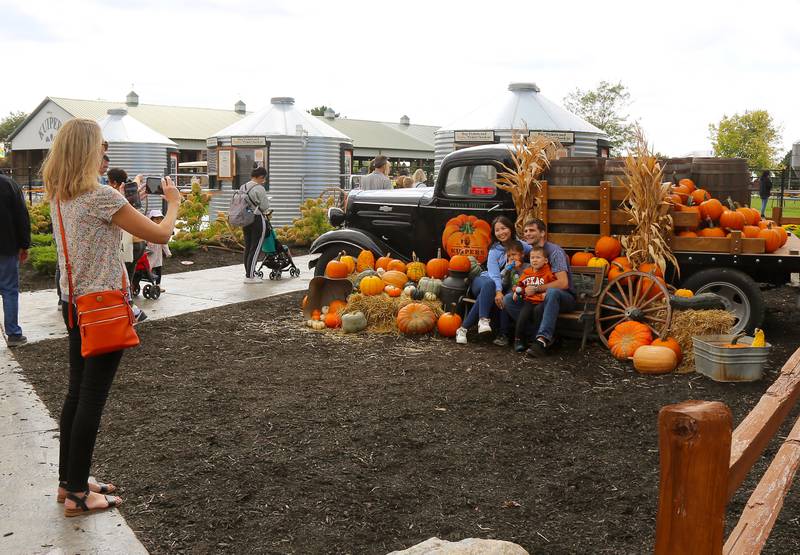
point(354, 322)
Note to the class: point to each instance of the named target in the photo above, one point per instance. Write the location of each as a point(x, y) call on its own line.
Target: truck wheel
point(329, 254)
point(740, 293)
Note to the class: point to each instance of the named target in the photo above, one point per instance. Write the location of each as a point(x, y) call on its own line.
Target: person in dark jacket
point(15, 239)
point(764, 190)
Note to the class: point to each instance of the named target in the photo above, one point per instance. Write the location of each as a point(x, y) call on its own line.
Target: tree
point(754, 136)
point(320, 111)
point(9, 123)
point(604, 107)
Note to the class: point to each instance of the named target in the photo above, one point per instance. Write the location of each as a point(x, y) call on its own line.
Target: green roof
point(385, 136)
point(175, 122)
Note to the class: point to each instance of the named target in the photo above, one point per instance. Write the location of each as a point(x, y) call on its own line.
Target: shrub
point(312, 223)
point(40, 217)
point(192, 210)
point(41, 239)
point(44, 259)
point(183, 246)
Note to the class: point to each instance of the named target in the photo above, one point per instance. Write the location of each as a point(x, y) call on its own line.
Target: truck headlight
point(335, 216)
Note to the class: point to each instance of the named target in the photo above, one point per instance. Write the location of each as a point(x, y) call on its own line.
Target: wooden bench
point(588, 284)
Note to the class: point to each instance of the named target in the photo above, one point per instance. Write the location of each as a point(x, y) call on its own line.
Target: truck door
point(465, 202)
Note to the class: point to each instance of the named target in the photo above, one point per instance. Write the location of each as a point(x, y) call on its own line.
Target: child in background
point(509, 276)
point(538, 273)
point(155, 252)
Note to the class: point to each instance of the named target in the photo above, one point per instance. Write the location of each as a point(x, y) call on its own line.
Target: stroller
point(276, 256)
point(143, 272)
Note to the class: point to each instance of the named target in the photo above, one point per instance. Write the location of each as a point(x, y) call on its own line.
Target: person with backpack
point(248, 208)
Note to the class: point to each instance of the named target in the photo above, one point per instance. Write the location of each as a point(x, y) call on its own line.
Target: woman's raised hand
point(171, 192)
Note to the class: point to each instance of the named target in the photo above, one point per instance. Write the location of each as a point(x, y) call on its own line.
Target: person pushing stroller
point(254, 233)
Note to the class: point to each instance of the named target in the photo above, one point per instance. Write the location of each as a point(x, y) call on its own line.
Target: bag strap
point(69, 266)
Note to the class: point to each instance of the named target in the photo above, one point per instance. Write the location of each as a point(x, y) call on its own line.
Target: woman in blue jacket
point(487, 288)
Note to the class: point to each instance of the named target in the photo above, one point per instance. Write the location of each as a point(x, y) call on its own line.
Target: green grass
point(791, 208)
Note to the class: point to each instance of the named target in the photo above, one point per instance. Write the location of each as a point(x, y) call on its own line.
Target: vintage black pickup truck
point(406, 221)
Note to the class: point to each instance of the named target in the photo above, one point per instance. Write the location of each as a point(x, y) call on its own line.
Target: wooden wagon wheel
point(634, 296)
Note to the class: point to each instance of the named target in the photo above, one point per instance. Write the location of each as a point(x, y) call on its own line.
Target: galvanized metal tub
point(745, 364)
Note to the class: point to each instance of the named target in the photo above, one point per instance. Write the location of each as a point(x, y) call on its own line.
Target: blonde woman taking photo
point(94, 217)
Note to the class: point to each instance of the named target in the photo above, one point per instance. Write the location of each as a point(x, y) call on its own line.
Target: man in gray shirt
point(378, 179)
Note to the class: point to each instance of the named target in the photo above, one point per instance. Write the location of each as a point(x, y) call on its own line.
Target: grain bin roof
point(120, 127)
point(280, 118)
point(519, 107)
point(389, 137)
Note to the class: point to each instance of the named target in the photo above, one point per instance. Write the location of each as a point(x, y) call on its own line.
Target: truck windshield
point(471, 181)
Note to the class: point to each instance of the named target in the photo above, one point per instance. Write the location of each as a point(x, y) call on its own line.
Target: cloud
point(16, 25)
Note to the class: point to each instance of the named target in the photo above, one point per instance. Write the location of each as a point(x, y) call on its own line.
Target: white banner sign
point(248, 141)
point(564, 137)
point(474, 136)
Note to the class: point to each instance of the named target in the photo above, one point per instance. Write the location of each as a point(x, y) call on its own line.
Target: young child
point(538, 273)
point(155, 252)
point(509, 276)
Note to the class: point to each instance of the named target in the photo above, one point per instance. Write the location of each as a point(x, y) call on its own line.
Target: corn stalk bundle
point(646, 206)
point(530, 158)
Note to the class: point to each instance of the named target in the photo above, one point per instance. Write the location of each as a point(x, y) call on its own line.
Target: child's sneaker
point(501, 341)
point(461, 336)
point(484, 326)
point(519, 346)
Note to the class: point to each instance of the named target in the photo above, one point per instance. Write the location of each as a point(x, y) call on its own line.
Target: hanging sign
point(212, 142)
point(248, 141)
point(474, 136)
point(563, 137)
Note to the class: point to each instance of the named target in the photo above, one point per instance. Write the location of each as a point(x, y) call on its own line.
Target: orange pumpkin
point(383, 261)
point(650, 268)
point(764, 224)
point(648, 287)
point(711, 230)
point(687, 234)
point(415, 319)
point(437, 267)
point(581, 258)
point(336, 269)
point(396, 278)
point(371, 285)
point(392, 291)
point(751, 231)
point(772, 241)
point(337, 306)
point(608, 247)
point(460, 263)
point(676, 199)
point(333, 320)
point(315, 314)
point(711, 209)
point(365, 261)
point(782, 232)
point(624, 261)
point(397, 266)
point(751, 216)
point(448, 323)
point(700, 195)
point(628, 336)
point(467, 235)
point(688, 183)
point(616, 269)
point(671, 343)
point(732, 219)
point(682, 190)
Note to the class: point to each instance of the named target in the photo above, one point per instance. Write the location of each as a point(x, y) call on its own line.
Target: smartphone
point(154, 186)
point(132, 194)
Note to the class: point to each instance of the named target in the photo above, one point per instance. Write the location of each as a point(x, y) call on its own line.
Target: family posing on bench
point(528, 282)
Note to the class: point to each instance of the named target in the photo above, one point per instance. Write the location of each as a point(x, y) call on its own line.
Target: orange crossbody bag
point(105, 318)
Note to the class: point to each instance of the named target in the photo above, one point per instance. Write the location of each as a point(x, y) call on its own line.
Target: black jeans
point(89, 383)
point(253, 239)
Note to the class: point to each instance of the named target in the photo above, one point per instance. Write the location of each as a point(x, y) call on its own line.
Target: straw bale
point(381, 310)
point(686, 323)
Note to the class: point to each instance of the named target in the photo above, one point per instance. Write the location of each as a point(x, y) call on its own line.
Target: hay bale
point(381, 310)
point(686, 323)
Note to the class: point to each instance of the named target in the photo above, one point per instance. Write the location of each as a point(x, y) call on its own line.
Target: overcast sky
point(686, 64)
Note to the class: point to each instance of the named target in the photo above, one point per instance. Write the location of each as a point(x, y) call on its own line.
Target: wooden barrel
point(676, 169)
point(723, 178)
point(577, 171)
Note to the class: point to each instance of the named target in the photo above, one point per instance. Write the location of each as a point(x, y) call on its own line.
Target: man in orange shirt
point(537, 274)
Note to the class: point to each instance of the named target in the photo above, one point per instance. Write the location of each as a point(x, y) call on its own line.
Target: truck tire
point(740, 293)
point(329, 254)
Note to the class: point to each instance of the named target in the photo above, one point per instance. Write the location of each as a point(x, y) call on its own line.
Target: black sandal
point(104, 489)
point(83, 509)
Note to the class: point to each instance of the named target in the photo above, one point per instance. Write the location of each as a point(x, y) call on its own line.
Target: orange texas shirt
point(536, 277)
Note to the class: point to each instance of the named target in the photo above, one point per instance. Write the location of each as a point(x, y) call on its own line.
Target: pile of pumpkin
point(388, 278)
point(718, 219)
point(634, 341)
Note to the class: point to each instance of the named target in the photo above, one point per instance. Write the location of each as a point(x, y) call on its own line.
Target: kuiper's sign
point(474, 136)
point(248, 141)
point(563, 137)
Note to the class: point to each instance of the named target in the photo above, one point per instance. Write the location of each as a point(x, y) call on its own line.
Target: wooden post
point(695, 450)
point(777, 214)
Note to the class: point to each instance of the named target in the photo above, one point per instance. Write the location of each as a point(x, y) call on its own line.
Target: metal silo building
point(134, 147)
point(521, 107)
point(303, 156)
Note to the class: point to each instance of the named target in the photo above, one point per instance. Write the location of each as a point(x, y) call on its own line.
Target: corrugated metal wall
point(138, 158)
point(585, 143)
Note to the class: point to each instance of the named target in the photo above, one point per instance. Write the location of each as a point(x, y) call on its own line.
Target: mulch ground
point(253, 434)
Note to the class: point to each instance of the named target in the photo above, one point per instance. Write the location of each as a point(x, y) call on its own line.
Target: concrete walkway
point(30, 519)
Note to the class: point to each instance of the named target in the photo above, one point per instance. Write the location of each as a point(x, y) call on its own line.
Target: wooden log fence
point(703, 463)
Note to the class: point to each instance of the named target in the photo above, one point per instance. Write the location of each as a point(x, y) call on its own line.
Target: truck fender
point(354, 238)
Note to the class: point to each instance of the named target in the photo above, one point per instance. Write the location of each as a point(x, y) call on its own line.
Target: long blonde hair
point(419, 176)
point(73, 163)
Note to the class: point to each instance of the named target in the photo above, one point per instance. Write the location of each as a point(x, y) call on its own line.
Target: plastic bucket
point(721, 364)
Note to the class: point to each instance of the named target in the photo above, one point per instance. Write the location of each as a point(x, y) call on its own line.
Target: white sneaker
point(252, 280)
point(461, 336)
point(484, 326)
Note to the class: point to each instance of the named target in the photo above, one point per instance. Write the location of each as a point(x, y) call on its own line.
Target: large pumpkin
point(460, 263)
point(711, 209)
point(333, 320)
point(615, 270)
point(415, 269)
point(688, 184)
point(772, 241)
point(393, 277)
point(711, 232)
point(467, 235)
point(607, 247)
point(396, 265)
point(654, 360)
point(371, 285)
point(751, 231)
point(687, 234)
point(383, 261)
point(337, 305)
point(751, 215)
point(581, 258)
point(628, 336)
point(415, 319)
point(336, 269)
point(365, 261)
point(437, 267)
point(670, 343)
point(700, 195)
point(732, 219)
point(448, 323)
